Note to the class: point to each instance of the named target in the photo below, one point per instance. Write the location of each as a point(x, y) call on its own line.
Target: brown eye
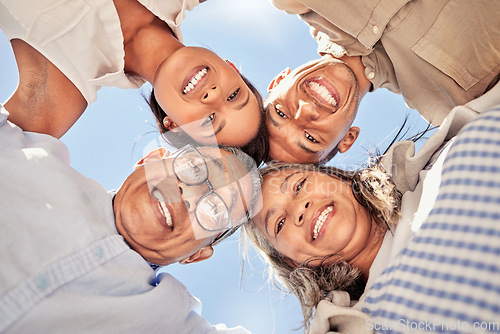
point(208, 120)
point(234, 95)
point(299, 186)
point(280, 113)
point(279, 226)
point(311, 138)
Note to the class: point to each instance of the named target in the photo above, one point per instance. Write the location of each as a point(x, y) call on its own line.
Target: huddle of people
point(405, 240)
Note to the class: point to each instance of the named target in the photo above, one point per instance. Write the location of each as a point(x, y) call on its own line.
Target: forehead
point(227, 172)
point(222, 162)
point(275, 181)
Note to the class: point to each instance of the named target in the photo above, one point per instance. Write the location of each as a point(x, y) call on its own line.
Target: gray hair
point(256, 180)
point(373, 188)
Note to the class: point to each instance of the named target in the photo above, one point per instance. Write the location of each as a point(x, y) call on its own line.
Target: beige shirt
point(437, 53)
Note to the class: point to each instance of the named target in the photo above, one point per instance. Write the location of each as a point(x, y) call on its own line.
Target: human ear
point(290, 262)
point(349, 139)
point(202, 254)
point(156, 154)
point(230, 63)
point(168, 123)
point(277, 79)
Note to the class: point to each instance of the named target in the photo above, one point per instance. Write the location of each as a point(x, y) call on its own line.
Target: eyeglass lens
point(190, 167)
point(211, 211)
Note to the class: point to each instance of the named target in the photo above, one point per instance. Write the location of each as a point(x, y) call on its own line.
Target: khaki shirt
point(437, 53)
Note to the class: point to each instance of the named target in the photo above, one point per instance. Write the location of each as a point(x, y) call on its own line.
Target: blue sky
point(112, 134)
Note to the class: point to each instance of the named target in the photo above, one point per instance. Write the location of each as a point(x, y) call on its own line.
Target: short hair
point(257, 147)
point(373, 188)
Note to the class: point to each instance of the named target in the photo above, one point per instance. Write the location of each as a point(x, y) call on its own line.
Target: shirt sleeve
point(290, 6)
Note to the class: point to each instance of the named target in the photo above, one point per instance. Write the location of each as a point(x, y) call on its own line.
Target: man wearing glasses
point(174, 208)
point(74, 259)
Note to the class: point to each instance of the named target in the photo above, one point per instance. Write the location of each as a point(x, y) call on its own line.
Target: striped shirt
point(448, 277)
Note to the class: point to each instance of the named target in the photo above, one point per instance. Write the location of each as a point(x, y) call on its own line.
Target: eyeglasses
point(211, 212)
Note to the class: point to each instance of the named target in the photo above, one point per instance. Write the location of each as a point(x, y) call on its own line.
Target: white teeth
point(321, 220)
point(194, 80)
point(323, 92)
point(168, 219)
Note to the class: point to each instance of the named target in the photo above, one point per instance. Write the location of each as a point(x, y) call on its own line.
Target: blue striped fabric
point(447, 280)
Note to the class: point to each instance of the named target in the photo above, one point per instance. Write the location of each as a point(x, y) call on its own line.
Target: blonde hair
point(373, 188)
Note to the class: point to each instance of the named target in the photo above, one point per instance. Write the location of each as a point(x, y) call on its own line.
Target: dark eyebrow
point(221, 126)
point(308, 150)
point(219, 129)
point(242, 105)
point(268, 114)
point(272, 211)
point(284, 184)
point(268, 216)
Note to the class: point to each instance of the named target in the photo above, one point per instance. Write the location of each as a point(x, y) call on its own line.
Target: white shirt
point(83, 38)
point(63, 266)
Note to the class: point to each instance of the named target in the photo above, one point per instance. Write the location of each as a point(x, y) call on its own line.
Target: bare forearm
point(45, 101)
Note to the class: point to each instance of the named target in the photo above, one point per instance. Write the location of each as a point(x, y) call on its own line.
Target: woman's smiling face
point(195, 86)
point(309, 214)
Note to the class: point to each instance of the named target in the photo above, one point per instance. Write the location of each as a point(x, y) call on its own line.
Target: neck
point(147, 40)
point(151, 46)
point(364, 260)
point(358, 68)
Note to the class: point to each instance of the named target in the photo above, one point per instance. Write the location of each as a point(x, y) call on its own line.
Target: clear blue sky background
point(112, 134)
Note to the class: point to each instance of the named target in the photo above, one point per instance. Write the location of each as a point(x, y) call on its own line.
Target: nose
point(192, 194)
point(211, 94)
point(301, 211)
point(306, 112)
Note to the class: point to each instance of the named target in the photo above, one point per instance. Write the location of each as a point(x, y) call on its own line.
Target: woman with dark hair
point(124, 43)
point(176, 136)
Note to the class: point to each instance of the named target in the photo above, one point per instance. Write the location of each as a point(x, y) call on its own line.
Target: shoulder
point(290, 6)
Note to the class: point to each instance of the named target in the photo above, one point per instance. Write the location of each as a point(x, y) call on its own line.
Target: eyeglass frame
point(210, 188)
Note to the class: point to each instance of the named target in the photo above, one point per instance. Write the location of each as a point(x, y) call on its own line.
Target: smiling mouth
point(195, 79)
point(163, 208)
point(321, 220)
point(322, 93)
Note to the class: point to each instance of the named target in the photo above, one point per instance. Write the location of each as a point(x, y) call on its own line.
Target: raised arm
point(45, 100)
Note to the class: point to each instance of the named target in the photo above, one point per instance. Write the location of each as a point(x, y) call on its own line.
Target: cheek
point(240, 128)
point(133, 208)
point(178, 110)
point(292, 248)
point(199, 236)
